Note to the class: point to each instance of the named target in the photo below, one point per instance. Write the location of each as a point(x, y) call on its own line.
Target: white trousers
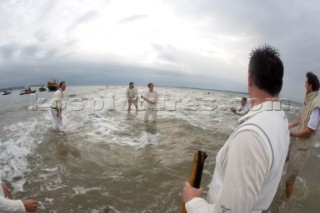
point(152, 112)
point(57, 119)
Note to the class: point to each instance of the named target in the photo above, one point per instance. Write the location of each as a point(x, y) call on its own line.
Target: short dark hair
point(313, 80)
point(266, 69)
point(130, 83)
point(149, 85)
point(244, 98)
point(62, 82)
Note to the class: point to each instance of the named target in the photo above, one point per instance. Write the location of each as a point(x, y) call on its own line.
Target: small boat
point(6, 92)
point(53, 85)
point(41, 89)
point(27, 90)
point(24, 93)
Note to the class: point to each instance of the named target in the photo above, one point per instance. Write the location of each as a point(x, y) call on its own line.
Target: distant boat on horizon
point(27, 90)
point(53, 85)
point(5, 92)
point(42, 88)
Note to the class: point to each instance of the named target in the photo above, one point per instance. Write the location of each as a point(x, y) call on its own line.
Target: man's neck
point(259, 96)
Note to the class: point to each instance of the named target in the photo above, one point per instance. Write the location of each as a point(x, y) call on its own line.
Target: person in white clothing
point(57, 105)
point(242, 109)
point(249, 165)
point(151, 98)
point(132, 96)
point(8, 205)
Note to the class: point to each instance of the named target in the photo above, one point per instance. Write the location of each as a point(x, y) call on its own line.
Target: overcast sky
point(191, 43)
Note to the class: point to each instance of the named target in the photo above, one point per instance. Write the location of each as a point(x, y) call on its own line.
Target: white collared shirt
point(56, 101)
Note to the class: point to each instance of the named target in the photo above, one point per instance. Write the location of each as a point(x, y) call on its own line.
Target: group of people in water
point(151, 98)
point(249, 166)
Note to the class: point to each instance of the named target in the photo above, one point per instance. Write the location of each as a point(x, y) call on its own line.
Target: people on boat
point(27, 89)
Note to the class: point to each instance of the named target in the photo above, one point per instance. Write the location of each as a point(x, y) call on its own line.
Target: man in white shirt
point(249, 165)
point(305, 136)
point(151, 98)
point(15, 206)
point(132, 96)
point(242, 109)
point(56, 105)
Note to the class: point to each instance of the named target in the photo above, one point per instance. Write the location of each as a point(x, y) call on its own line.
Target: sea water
point(106, 159)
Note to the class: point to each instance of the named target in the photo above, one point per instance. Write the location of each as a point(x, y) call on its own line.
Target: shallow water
point(108, 160)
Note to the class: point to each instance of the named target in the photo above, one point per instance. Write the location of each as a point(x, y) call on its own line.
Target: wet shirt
point(56, 101)
point(131, 93)
point(152, 96)
point(242, 110)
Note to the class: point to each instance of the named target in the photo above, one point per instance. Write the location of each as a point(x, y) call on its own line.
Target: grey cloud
point(15, 53)
point(83, 73)
point(265, 20)
point(132, 18)
point(8, 51)
point(196, 62)
point(84, 18)
point(42, 35)
point(166, 52)
point(48, 7)
point(292, 28)
point(29, 51)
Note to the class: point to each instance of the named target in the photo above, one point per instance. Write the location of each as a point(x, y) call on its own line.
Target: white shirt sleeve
point(7, 205)
point(314, 119)
point(248, 162)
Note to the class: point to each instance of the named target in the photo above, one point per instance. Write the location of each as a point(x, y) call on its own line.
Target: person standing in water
point(305, 136)
point(151, 97)
point(57, 105)
point(132, 96)
point(249, 165)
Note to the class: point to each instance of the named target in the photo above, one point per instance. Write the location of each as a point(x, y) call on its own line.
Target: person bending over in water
point(242, 109)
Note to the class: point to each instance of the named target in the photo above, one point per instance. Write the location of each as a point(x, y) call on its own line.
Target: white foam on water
point(144, 140)
point(105, 209)
point(54, 169)
point(137, 143)
point(81, 190)
point(17, 144)
point(106, 123)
